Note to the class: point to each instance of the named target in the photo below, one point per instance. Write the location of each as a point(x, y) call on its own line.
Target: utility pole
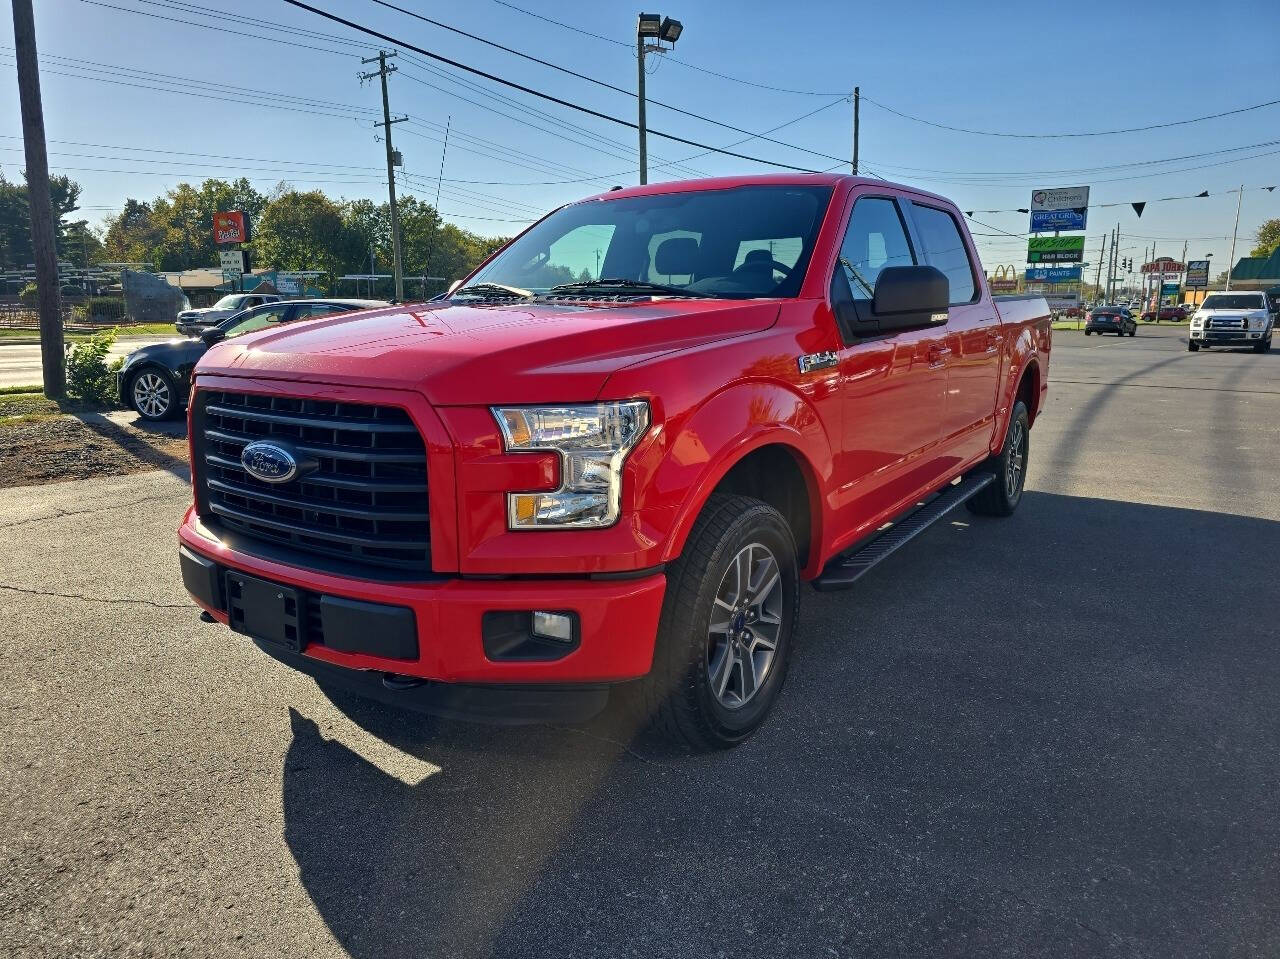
point(857, 98)
point(43, 227)
point(383, 72)
point(1231, 260)
point(1097, 279)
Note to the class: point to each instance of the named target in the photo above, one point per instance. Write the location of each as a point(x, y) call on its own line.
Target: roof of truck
point(764, 179)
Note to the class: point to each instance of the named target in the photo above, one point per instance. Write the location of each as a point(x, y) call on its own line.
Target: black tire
point(1193, 346)
point(676, 699)
point(1086, 332)
point(153, 394)
point(1002, 497)
point(1134, 331)
point(1261, 346)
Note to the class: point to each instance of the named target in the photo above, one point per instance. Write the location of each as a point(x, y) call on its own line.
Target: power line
point(1056, 136)
point(670, 59)
point(600, 83)
point(532, 92)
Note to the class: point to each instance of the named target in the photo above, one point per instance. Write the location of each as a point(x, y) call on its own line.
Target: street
point(1052, 734)
point(20, 362)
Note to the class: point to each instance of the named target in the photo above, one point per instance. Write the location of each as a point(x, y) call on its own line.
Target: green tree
point(15, 218)
point(1267, 238)
point(132, 236)
point(304, 231)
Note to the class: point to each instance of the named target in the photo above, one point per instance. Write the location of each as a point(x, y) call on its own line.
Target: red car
point(1166, 313)
point(564, 484)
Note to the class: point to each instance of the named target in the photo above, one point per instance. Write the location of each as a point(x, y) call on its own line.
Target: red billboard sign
point(230, 227)
point(1165, 264)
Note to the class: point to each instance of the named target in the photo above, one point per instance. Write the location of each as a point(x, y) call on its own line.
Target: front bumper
point(618, 622)
point(1227, 337)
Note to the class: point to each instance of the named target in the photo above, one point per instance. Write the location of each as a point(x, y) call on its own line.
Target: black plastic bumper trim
point(505, 705)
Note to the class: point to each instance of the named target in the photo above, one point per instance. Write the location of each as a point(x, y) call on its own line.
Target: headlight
point(1197, 320)
point(1258, 323)
point(593, 442)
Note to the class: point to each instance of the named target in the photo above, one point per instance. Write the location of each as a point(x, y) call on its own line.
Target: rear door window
point(944, 248)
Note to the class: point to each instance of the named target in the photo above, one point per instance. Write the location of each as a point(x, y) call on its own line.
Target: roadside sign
point(1062, 198)
point(1004, 278)
point(1063, 301)
point(1164, 264)
point(1053, 274)
point(1170, 289)
point(1046, 221)
point(231, 227)
point(1197, 274)
point(1055, 249)
point(291, 284)
point(231, 261)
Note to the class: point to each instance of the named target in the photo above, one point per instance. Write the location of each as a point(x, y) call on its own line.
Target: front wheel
point(1193, 346)
point(154, 394)
point(724, 637)
point(1001, 498)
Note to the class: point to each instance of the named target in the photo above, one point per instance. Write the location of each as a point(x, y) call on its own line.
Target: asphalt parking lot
point(1055, 734)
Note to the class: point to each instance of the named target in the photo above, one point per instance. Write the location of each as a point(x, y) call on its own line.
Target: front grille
point(1225, 323)
point(366, 502)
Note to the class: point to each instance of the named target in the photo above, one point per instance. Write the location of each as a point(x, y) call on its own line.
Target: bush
point(104, 309)
point(29, 295)
point(89, 376)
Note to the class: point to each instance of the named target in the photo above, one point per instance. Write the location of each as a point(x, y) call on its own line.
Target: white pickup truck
point(1233, 319)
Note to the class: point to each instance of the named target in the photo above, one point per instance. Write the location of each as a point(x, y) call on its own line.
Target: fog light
point(557, 626)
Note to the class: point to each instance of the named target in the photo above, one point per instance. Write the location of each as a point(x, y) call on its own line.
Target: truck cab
point(602, 467)
point(1235, 318)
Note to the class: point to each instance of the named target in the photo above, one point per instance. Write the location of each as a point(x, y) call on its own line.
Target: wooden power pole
point(43, 230)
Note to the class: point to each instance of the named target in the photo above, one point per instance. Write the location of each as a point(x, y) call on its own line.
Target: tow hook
point(206, 617)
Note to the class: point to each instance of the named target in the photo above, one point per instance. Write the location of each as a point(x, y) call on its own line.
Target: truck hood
point(458, 355)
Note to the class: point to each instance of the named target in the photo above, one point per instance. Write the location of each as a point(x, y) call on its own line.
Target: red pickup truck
point(603, 464)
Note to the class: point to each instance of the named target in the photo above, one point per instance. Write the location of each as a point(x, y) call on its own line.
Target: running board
point(846, 569)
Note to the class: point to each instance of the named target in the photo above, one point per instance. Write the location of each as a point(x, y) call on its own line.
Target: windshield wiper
point(492, 290)
point(619, 283)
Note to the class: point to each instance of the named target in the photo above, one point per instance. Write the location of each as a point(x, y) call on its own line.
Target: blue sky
point(124, 79)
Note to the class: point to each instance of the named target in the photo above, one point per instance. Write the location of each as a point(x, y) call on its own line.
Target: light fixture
point(649, 24)
point(670, 30)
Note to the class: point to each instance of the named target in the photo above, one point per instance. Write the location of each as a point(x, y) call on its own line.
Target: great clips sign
point(230, 227)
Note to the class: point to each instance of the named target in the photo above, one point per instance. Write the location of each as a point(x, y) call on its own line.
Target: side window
point(944, 248)
point(875, 239)
point(322, 309)
point(259, 320)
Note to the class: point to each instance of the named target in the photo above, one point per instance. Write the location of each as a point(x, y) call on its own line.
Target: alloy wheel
point(151, 395)
point(1016, 459)
point(746, 626)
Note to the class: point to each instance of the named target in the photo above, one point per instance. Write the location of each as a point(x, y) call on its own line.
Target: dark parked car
point(155, 379)
point(1110, 319)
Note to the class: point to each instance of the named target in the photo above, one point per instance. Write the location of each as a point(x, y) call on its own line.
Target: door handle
point(938, 356)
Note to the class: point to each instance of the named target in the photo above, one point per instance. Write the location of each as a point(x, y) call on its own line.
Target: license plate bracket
point(265, 610)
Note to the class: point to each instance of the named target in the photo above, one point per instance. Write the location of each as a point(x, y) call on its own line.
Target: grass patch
point(141, 329)
point(29, 403)
point(33, 388)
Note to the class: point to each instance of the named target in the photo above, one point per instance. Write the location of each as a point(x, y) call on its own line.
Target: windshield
point(1233, 301)
point(738, 243)
point(229, 302)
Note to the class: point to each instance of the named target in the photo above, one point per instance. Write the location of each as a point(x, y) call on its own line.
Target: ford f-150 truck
point(604, 464)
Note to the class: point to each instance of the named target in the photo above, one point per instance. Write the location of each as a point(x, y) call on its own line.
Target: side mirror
point(212, 335)
point(910, 297)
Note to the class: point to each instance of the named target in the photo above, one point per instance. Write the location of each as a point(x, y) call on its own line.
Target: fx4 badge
point(817, 361)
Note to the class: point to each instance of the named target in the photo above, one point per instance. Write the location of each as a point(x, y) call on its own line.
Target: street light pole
point(1231, 260)
point(644, 146)
point(650, 26)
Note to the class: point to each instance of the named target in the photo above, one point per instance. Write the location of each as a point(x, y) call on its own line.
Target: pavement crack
point(123, 600)
point(58, 514)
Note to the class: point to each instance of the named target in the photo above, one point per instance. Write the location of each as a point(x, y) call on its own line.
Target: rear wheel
point(724, 637)
point(1001, 498)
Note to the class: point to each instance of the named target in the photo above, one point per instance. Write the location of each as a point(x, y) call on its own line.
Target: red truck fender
point(725, 432)
point(1026, 381)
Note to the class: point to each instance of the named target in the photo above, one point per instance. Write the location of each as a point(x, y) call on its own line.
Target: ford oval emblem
point(269, 461)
